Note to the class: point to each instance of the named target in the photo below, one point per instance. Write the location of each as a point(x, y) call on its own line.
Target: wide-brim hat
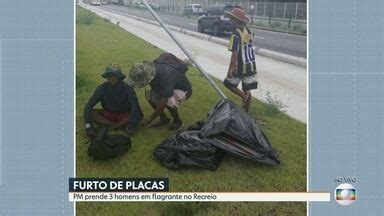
point(141, 74)
point(113, 70)
point(238, 14)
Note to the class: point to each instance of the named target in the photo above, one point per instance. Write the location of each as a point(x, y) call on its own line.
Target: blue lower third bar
point(1, 112)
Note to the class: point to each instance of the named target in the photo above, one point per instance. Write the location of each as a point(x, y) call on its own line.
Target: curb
point(263, 52)
point(283, 57)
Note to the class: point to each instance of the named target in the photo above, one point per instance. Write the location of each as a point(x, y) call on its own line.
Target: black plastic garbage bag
point(229, 129)
point(187, 149)
point(233, 130)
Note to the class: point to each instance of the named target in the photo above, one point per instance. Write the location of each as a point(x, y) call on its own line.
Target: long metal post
point(206, 75)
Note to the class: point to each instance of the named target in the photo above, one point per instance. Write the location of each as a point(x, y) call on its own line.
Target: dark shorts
point(247, 82)
point(114, 117)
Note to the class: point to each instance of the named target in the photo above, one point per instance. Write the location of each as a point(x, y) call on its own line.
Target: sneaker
point(160, 123)
point(176, 125)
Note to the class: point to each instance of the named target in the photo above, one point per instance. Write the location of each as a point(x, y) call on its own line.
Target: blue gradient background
point(346, 102)
point(36, 46)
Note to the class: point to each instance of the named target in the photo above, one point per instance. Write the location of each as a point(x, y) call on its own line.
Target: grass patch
point(274, 105)
point(86, 18)
point(102, 43)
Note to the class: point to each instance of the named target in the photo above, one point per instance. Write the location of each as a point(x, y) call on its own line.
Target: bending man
point(169, 87)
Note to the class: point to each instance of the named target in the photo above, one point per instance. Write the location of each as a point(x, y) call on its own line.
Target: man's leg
point(100, 119)
point(249, 83)
point(231, 84)
point(163, 117)
point(177, 122)
point(123, 120)
point(152, 99)
point(174, 113)
point(247, 101)
point(237, 92)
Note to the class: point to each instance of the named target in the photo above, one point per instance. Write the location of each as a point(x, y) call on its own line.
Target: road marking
point(194, 24)
point(259, 37)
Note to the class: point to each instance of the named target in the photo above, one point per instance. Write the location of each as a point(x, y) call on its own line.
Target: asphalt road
point(276, 41)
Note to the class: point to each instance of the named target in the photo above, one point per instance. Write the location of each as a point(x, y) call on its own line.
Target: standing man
point(120, 107)
point(242, 67)
point(169, 87)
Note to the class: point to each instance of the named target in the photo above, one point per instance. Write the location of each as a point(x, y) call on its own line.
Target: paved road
point(279, 42)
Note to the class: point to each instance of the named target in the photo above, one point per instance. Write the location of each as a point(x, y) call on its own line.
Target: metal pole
point(206, 75)
point(256, 9)
point(265, 5)
point(274, 9)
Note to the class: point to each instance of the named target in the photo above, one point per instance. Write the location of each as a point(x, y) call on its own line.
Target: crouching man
point(120, 107)
point(169, 87)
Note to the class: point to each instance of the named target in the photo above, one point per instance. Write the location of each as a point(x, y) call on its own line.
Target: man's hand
point(91, 132)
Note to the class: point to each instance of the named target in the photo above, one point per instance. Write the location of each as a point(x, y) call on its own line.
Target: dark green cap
point(113, 70)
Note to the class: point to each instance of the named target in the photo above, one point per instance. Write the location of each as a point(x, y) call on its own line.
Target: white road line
point(194, 24)
point(259, 37)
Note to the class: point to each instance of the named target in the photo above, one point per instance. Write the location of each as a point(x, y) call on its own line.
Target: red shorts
point(115, 117)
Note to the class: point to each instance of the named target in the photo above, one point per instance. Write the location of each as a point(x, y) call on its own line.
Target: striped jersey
point(241, 41)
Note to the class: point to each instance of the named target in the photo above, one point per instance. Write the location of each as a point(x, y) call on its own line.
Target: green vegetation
point(85, 18)
point(274, 105)
point(101, 43)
